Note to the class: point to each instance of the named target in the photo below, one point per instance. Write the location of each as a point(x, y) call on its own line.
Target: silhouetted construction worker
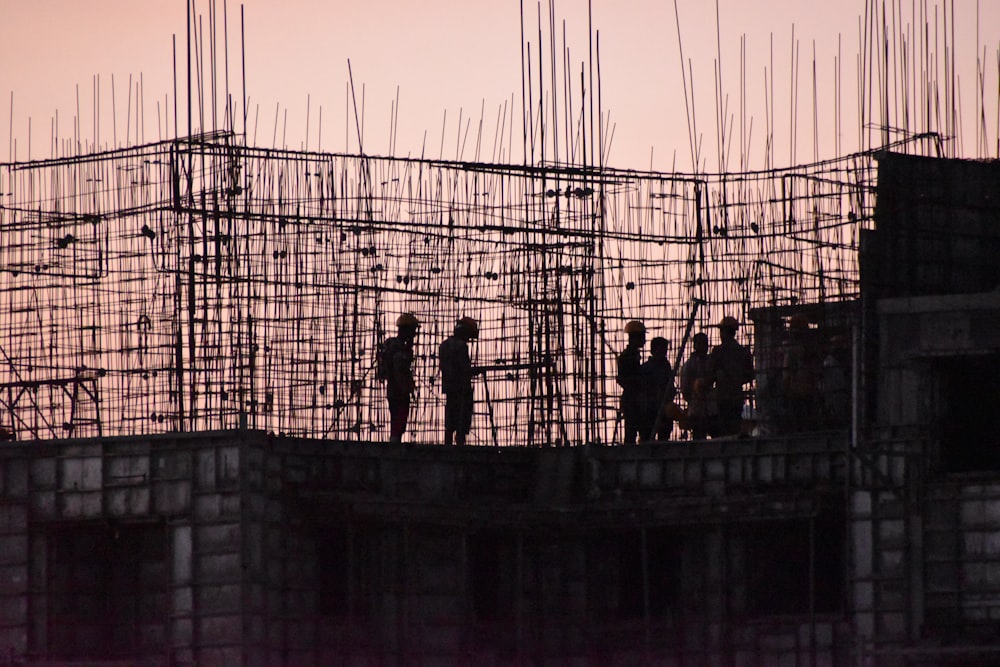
point(658, 391)
point(733, 368)
point(395, 367)
point(456, 380)
point(697, 380)
point(630, 380)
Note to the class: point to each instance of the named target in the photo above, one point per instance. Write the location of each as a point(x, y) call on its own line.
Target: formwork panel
point(218, 568)
point(14, 479)
point(80, 505)
point(214, 537)
point(182, 600)
point(182, 555)
point(221, 629)
point(714, 470)
point(14, 611)
point(173, 497)
point(212, 599)
point(216, 506)
point(205, 468)
point(13, 549)
point(79, 473)
point(127, 469)
point(218, 656)
point(170, 463)
point(674, 474)
point(43, 472)
point(13, 518)
point(14, 641)
point(628, 473)
point(127, 501)
point(973, 512)
point(891, 624)
point(14, 579)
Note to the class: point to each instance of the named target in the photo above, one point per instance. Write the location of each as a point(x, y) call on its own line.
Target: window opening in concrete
point(970, 399)
point(346, 558)
point(623, 578)
point(492, 570)
point(107, 590)
point(795, 567)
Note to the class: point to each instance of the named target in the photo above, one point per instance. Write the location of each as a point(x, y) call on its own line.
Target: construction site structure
point(240, 523)
point(195, 466)
point(201, 285)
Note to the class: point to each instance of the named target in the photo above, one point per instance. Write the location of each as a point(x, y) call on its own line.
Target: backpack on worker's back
point(384, 359)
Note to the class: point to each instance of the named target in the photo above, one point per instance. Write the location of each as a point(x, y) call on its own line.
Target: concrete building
point(871, 539)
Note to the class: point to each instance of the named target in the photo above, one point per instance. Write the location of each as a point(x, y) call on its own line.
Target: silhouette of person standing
point(456, 380)
point(396, 369)
point(629, 378)
point(733, 368)
point(658, 391)
point(697, 378)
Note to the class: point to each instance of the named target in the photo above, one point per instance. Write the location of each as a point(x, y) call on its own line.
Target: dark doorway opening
point(970, 399)
point(795, 567)
point(629, 571)
point(108, 589)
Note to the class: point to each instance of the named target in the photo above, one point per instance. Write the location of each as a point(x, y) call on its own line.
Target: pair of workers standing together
point(395, 367)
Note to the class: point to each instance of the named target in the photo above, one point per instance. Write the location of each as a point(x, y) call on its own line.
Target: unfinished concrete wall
point(123, 549)
point(245, 549)
point(15, 556)
point(937, 228)
point(602, 555)
point(963, 548)
point(924, 479)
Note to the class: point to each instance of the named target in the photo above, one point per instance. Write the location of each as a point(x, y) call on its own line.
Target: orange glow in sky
point(455, 67)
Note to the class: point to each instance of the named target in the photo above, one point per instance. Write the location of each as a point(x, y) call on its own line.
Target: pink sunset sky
point(456, 66)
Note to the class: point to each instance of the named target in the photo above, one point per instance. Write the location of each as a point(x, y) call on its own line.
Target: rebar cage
point(200, 284)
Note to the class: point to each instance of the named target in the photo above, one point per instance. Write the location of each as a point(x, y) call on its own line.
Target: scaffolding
point(201, 284)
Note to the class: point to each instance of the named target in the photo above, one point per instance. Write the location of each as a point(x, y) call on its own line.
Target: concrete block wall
point(936, 221)
point(417, 508)
point(14, 582)
point(239, 573)
point(963, 558)
point(917, 332)
point(158, 526)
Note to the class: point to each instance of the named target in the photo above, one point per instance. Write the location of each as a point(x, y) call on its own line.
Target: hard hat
point(729, 322)
point(469, 325)
point(635, 326)
point(407, 320)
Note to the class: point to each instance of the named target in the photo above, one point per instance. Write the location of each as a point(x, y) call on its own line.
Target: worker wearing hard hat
point(395, 367)
point(629, 378)
point(698, 389)
point(733, 368)
point(456, 380)
point(658, 391)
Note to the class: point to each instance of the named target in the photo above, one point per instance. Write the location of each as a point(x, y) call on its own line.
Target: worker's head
point(700, 342)
point(407, 323)
point(636, 331)
point(467, 328)
point(658, 347)
point(728, 326)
